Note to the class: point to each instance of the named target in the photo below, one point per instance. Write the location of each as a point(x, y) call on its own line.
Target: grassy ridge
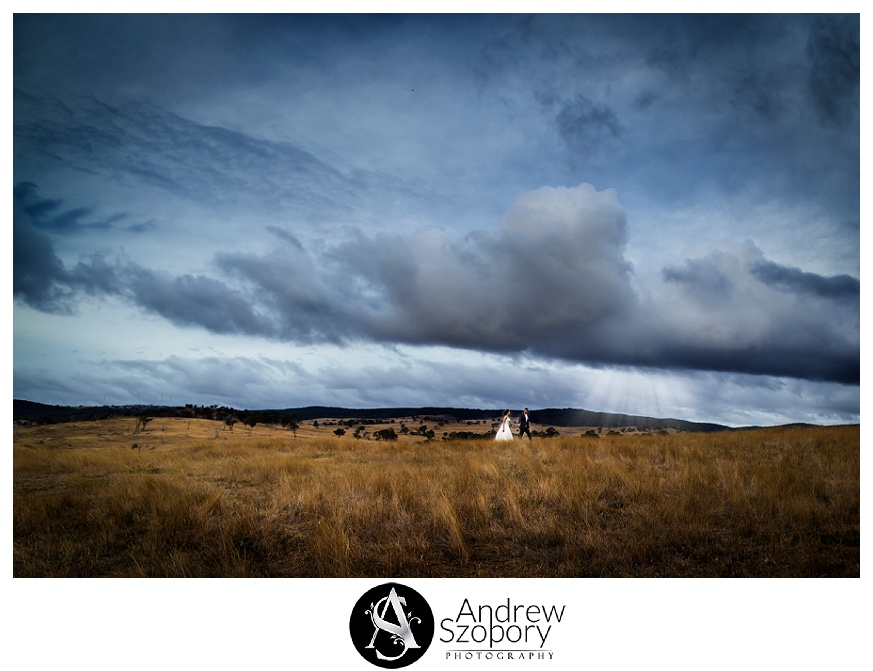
point(767, 502)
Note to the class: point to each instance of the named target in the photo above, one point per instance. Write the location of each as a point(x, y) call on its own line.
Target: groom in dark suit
point(524, 425)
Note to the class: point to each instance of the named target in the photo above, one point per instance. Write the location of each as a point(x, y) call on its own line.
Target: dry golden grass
point(769, 502)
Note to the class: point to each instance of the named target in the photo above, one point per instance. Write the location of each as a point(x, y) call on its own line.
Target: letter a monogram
point(381, 625)
point(400, 632)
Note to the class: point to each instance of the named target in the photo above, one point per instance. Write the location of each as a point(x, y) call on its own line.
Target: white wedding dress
point(504, 433)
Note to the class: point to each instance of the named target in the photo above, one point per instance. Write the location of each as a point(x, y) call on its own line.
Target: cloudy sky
point(647, 214)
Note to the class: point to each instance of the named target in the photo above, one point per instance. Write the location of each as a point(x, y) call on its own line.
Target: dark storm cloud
point(48, 214)
point(40, 278)
point(38, 274)
point(837, 287)
point(27, 193)
point(553, 274)
point(551, 280)
point(294, 292)
point(193, 301)
point(737, 311)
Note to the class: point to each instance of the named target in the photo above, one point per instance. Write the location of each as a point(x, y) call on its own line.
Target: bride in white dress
point(504, 432)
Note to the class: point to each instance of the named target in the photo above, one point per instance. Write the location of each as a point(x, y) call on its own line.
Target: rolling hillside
point(41, 413)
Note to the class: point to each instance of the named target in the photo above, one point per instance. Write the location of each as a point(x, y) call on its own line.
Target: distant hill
point(46, 414)
point(545, 417)
point(41, 413)
point(576, 417)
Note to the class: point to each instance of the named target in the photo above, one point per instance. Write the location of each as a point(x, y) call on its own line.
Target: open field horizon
point(187, 498)
point(26, 413)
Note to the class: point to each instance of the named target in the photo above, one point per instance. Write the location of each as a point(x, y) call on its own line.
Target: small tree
point(340, 432)
point(386, 434)
point(292, 423)
point(141, 424)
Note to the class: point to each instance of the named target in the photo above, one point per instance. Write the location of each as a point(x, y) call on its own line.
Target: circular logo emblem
point(391, 625)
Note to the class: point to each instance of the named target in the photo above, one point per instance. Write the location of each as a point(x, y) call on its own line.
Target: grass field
point(189, 498)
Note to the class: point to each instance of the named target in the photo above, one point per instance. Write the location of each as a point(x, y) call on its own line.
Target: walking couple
point(504, 432)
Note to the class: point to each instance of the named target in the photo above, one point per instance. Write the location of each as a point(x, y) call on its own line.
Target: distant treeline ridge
point(39, 413)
